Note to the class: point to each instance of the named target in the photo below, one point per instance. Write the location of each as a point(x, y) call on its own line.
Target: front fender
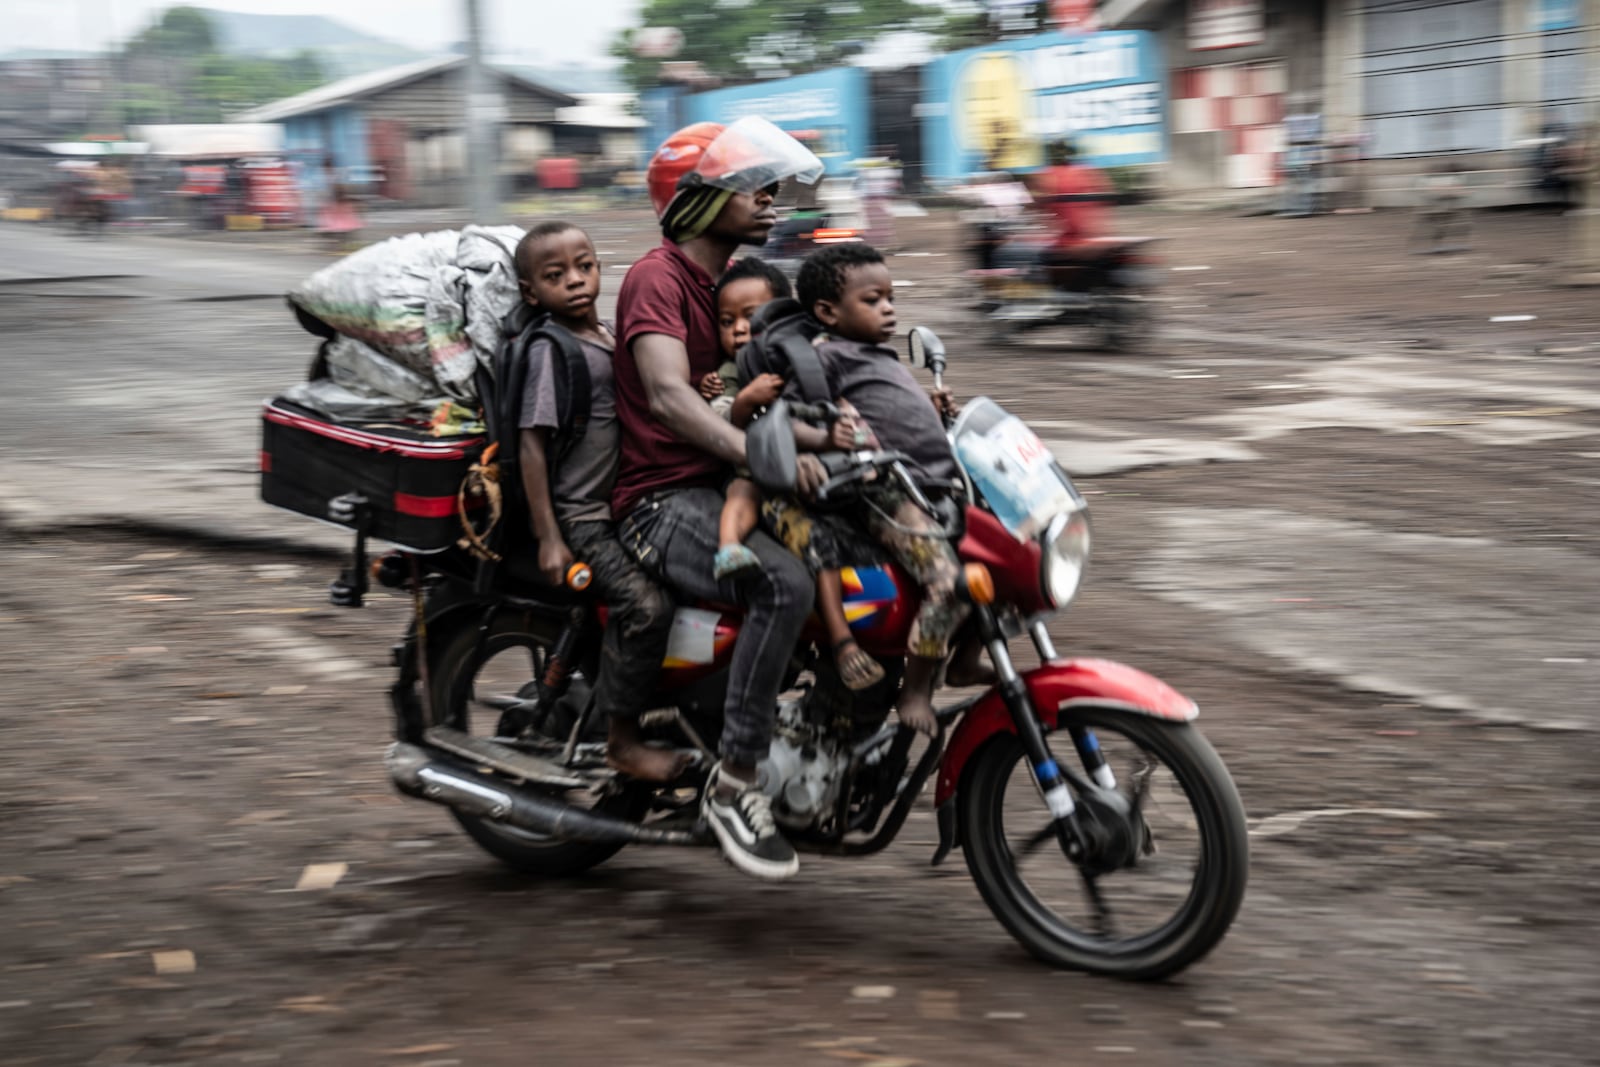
point(1055, 687)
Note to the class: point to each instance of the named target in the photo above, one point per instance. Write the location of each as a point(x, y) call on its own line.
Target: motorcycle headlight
point(1066, 557)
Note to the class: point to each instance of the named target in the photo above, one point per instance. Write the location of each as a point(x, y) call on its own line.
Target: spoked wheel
point(484, 691)
point(1163, 885)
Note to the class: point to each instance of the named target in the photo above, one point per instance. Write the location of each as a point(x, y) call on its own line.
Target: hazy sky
point(552, 28)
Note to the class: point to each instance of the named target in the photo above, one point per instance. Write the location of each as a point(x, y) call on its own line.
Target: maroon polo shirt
point(664, 292)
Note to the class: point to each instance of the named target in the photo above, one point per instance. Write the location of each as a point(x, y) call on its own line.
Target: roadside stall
point(235, 175)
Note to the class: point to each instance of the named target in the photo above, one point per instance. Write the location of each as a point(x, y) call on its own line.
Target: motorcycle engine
point(803, 770)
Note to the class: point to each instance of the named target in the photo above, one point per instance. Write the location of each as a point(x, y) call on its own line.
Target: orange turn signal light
point(978, 582)
point(579, 576)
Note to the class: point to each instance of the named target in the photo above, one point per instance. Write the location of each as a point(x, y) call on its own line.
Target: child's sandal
point(733, 560)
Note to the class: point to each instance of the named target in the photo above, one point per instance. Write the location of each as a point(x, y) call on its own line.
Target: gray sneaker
point(746, 831)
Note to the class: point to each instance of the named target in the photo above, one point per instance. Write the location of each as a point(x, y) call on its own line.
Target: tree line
point(175, 71)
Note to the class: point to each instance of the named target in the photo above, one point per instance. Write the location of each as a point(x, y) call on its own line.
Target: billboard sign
point(996, 106)
point(826, 110)
point(1225, 24)
point(1555, 15)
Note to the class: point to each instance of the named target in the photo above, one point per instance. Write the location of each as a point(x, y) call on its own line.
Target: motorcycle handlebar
point(825, 413)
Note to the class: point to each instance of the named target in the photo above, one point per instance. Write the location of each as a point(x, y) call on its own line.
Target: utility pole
point(483, 116)
point(1588, 272)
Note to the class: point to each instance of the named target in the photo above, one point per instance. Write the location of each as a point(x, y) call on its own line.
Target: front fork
point(1052, 779)
point(1083, 738)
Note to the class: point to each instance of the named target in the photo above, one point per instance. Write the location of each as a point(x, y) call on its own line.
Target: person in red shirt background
point(1077, 197)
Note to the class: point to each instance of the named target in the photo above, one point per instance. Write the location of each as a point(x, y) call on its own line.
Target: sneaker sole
point(754, 866)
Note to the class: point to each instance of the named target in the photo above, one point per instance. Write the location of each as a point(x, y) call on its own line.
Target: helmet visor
point(752, 154)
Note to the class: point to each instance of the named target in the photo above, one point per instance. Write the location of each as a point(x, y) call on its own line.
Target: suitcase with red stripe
point(405, 479)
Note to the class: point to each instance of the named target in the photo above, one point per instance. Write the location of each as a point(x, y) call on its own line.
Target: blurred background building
point(1399, 82)
point(1194, 98)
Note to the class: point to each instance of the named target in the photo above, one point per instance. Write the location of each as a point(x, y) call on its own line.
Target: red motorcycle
point(1126, 856)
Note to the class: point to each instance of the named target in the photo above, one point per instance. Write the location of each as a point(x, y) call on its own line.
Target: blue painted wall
point(832, 103)
point(341, 131)
point(662, 108)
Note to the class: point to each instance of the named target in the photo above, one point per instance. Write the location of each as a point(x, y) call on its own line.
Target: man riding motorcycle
point(1075, 197)
point(712, 188)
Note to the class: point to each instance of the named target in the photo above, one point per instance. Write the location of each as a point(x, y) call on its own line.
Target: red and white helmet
point(744, 156)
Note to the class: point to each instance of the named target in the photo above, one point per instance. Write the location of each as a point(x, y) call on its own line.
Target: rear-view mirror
point(769, 449)
point(927, 351)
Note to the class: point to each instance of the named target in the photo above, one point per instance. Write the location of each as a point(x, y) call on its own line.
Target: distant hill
point(342, 49)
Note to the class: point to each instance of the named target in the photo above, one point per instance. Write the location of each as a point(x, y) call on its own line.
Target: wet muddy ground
point(1369, 566)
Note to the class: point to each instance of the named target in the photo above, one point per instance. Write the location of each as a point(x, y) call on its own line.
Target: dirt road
point(1369, 560)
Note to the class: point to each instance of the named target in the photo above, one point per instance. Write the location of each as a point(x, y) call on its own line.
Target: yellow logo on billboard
point(992, 103)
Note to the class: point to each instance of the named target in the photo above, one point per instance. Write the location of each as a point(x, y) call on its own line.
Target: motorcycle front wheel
point(1146, 920)
point(472, 675)
point(1127, 321)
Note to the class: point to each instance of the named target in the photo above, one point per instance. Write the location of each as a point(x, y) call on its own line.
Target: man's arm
point(663, 364)
point(554, 555)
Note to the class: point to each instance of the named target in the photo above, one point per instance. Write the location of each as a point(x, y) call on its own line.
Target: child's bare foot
point(967, 667)
point(916, 711)
point(916, 694)
point(626, 752)
point(856, 669)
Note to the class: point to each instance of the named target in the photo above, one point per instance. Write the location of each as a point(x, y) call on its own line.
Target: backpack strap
point(573, 387)
point(782, 345)
point(522, 328)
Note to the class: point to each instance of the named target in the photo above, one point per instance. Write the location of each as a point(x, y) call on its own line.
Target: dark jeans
point(637, 628)
point(674, 536)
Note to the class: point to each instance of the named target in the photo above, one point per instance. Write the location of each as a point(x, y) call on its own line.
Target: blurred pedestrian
point(1556, 164)
point(1442, 213)
point(341, 216)
point(879, 181)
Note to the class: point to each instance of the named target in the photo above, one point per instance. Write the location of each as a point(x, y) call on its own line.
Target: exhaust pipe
point(428, 776)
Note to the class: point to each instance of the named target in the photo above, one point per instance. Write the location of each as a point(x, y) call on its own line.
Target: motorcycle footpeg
point(500, 758)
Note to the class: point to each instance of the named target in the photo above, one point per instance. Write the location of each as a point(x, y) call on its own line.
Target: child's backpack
point(781, 336)
point(501, 390)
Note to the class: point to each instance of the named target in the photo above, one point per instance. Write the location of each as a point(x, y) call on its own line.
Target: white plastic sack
point(363, 369)
point(431, 302)
point(338, 402)
point(485, 255)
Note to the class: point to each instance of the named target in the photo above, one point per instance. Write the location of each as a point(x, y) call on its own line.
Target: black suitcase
point(400, 482)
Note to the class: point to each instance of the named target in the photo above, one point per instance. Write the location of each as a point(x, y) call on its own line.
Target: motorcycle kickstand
point(578, 727)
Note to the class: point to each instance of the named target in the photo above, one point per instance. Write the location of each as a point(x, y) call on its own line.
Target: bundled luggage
point(431, 302)
point(387, 436)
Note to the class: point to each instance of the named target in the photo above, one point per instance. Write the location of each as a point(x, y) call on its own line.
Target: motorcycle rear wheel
point(1201, 798)
point(457, 672)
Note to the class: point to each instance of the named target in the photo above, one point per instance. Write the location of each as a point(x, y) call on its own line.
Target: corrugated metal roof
point(341, 92)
